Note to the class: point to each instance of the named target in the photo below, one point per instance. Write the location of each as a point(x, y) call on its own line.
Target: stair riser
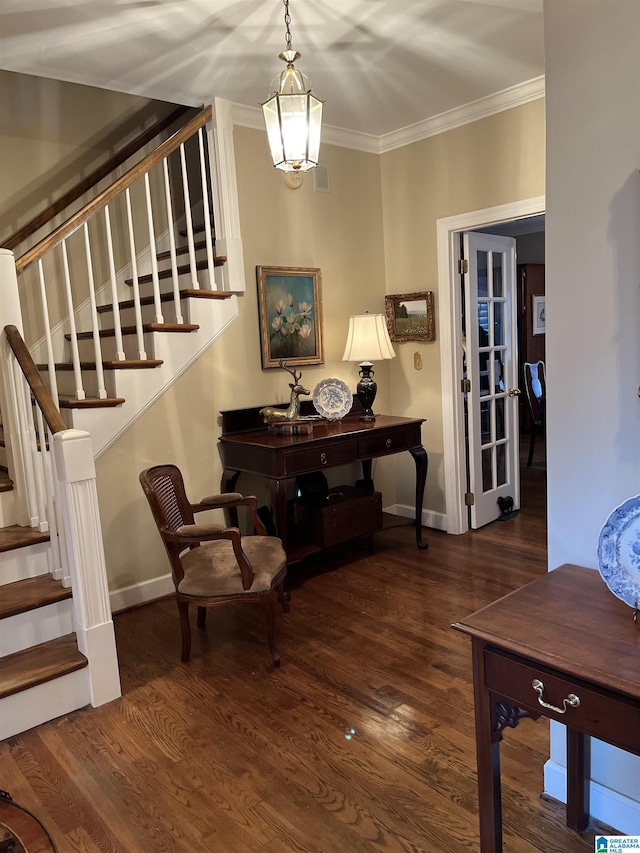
point(185, 280)
point(22, 711)
point(67, 384)
point(128, 315)
point(36, 626)
point(109, 349)
point(24, 563)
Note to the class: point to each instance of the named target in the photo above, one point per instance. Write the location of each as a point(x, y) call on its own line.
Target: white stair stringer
point(34, 627)
point(141, 388)
point(44, 702)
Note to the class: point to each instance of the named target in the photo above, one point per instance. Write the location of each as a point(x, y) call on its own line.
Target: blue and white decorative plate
point(332, 399)
point(619, 551)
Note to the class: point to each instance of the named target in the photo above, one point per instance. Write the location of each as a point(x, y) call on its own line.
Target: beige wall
point(339, 232)
point(491, 162)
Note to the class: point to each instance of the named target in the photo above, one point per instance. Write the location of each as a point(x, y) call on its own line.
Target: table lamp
point(368, 341)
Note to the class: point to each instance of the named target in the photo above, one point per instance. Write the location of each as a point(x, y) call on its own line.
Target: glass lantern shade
point(293, 118)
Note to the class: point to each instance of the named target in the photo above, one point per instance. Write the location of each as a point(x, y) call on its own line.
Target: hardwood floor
point(362, 740)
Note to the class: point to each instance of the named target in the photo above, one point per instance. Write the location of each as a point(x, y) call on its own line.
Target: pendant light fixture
point(293, 115)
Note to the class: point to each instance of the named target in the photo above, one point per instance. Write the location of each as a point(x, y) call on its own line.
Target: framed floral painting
point(290, 311)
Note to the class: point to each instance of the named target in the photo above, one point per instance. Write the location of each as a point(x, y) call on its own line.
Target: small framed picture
point(410, 316)
point(539, 316)
point(290, 311)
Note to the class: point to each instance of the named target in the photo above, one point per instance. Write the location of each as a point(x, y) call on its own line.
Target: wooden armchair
point(213, 564)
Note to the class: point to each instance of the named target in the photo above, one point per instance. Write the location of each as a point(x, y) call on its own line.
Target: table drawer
point(599, 713)
point(318, 458)
point(377, 444)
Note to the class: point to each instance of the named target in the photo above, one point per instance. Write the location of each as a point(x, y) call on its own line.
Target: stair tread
point(39, 664)
point(182, 270)
point(183, 250)
point(19, 537)
point(197, 229)
point(90, 402)
point(6, 483)
point(30, 594)
point(127, 364)
point(188, 293)
point(146, 327)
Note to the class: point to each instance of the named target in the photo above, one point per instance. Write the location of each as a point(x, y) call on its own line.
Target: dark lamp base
point(366, 390)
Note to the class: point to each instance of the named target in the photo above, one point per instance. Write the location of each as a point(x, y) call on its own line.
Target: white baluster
point(53, 553)
point(40, 449)
point(75, 355)
point(26, 438)
point(97, 348)
point(207, 212)
point(117, 325)
point(63, 550)
point(51, 362)
point(142, 355)
point(172, 244)
point(195, 284)
point(152, 249)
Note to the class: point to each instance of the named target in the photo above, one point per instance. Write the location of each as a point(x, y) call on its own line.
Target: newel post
point(79, 513)
point(225, 196)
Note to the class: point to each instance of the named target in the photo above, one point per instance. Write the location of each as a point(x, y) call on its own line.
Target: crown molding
point(515, 96)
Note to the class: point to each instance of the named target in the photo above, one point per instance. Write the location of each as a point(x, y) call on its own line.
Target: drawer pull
point(572, 700)
point(388, 443)
point(323, 458)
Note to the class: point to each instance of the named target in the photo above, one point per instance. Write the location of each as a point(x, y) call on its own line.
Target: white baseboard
point(141, 593)
point(606, 805)
point(436, 520)
point(160, 587)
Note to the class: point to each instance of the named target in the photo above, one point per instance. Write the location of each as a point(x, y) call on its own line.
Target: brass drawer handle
point(572, 700)
point(323, 458)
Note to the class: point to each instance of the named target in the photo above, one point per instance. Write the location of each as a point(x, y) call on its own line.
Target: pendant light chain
point(287, 20)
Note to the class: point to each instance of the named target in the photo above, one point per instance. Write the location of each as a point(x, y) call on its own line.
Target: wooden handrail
point(92, 179)
point(103, 198)
point(39, 390)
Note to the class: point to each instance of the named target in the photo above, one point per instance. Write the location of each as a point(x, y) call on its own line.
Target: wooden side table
point(564, 647)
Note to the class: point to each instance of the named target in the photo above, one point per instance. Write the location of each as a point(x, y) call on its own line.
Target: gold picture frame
point(410, 316)
point(290, 313)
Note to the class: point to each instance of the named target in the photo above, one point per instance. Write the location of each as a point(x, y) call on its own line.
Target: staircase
point(156, 306)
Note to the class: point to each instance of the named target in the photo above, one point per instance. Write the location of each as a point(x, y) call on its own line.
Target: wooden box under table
point(343, 513)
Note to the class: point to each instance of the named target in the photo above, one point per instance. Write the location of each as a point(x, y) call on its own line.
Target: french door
point(490, 354)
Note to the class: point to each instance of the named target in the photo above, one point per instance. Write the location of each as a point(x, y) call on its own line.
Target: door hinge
point(465, 386)
point(463, 265)
point(469, 499)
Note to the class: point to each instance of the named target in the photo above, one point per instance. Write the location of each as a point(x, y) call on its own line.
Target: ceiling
point(380, 65)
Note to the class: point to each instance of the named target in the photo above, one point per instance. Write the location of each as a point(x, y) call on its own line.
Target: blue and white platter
point(619, 551)
point(332, 399)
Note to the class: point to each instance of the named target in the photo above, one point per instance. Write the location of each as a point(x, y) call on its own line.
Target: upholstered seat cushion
point(212, 571)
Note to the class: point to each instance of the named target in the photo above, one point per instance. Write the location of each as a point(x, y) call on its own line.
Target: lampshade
point(292, 115)
point(368, 339)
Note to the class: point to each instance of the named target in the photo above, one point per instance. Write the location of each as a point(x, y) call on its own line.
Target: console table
point(246, 446)
point(565, 647)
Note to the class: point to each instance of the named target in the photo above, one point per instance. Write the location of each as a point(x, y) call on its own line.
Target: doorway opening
point(518, 220)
